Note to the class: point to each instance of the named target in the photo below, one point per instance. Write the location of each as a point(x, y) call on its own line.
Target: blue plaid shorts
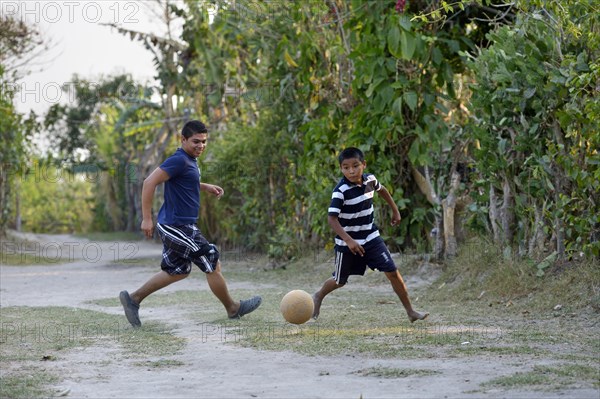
point(183, 245)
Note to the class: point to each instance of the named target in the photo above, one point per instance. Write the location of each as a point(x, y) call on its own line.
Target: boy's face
point(353, 168)
point(195, 144)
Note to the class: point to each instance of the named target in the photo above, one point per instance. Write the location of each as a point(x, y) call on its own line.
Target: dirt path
point(213, 368)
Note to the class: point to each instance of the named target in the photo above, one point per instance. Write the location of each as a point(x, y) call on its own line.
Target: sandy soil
point(216, 369)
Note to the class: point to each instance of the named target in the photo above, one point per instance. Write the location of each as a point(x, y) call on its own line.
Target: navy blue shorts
point(183, 245)
point(376, 257)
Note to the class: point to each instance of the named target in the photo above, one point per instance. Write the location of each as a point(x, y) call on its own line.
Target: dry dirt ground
point(211, 368)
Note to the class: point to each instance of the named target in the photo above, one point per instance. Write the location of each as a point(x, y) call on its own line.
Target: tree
point(17, 41)
point(402, 106)
point(535, 118)
point(346, 73)
point(19, 44)
point(106, 132)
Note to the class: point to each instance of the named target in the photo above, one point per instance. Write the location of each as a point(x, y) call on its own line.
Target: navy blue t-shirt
point(182, 190)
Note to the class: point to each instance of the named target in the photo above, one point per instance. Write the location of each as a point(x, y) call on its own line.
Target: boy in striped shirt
point(358, 243)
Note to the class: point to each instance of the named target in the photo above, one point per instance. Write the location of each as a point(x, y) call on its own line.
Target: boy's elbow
point(149, 180)
point(148, 184)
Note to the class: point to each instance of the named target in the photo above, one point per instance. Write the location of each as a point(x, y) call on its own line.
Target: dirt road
point(209, 367)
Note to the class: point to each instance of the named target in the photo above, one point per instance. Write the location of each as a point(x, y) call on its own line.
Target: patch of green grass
point(151, 262)
point(576, 287)
point(589, 358)
point(32, 337)
point(306, 274)
point(548, 377)
point(481, 273)
point(364, 324)
point(162, 363)
point(112, 236)
point(28, 382)
point(570, 371)
point(19, 252)
point(28, 259)
point(538, 334)
point(388, 372)
point(519, 380)
point(31, 333)
point(480, 267)
point(477, 350)
point(194, 299)
point(364, 317)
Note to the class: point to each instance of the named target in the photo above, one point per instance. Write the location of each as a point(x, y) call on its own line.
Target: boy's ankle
point(413, 315)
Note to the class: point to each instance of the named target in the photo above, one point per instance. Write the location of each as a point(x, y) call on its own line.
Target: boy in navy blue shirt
point(358, 243)
point(183, 243)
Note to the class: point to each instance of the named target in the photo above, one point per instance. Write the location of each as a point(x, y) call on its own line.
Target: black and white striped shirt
point(353, 206)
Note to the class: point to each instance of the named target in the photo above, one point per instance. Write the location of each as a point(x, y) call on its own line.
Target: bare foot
point(317, 308)
point(414, 316)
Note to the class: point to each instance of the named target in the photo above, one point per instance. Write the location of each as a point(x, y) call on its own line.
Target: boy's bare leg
point(318, 296)
point(218, 286)
point(400, 290)
point(156, 282)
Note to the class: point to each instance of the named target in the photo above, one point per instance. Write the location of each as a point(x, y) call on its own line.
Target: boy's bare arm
point(383, 192)
point(212, 189)
point(354, 247)
point(157, 177)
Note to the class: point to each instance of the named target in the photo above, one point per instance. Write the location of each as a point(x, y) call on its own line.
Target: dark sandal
point(131, 309)
point(247, 306)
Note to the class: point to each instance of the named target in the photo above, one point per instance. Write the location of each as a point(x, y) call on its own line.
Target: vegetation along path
point(63, 333)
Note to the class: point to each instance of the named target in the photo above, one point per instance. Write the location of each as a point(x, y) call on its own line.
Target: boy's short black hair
point(193, 127)
point(351, 152)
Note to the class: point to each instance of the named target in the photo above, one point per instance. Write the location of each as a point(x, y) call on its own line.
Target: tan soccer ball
point(297, 306)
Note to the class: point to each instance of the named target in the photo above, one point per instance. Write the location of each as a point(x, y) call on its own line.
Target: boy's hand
point(212, 189)
point(388, 198)
point(148, 227)
point(396, 218)
point(355, 247)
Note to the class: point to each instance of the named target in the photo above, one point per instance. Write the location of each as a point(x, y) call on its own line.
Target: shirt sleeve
point(376, 185)
point(173, 166)
point(337, 200)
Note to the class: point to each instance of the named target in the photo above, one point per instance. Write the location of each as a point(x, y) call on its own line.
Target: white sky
point(80, 45)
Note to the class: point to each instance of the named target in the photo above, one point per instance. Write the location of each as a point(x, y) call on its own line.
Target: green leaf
point(502, 146)
point(397, 106)
point(428, 99)
point(373, 86)
point(414, 152)
point(436, 56)
point(529, 92)
point(411, 99)
point(582, 65)
point(405, 23)
point(524, 121)
point(393, 41)
point(386, 93)
point(546, 263)
point(408, 43)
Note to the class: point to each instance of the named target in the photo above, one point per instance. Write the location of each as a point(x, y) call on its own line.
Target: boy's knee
point(392, 275)
point(181, 276)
